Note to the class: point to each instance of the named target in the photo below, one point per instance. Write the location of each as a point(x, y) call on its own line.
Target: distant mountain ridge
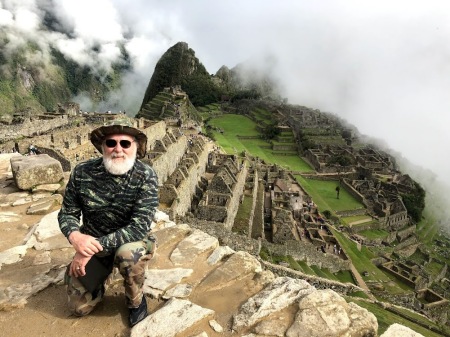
point(31, 83)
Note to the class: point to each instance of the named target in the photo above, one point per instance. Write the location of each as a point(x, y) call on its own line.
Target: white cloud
point(382, 65)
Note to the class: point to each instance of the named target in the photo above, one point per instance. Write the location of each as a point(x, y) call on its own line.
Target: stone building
point(221, 200)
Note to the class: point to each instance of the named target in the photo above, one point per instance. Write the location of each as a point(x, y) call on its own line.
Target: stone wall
point(316, 281)
point(154, 132)
point(66, 165)
point(238, 190)
point(32, 127)
point(405, 233)
point(254, 200)
point(307, 252)
point(178, 196)
point(226, 237)
point(166, 162)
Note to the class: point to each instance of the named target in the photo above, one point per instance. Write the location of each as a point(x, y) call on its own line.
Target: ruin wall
point(307, 252)
point(234, 202)
point(180, 196)
point(31, 127)
point(167, 162)
point(316, 281)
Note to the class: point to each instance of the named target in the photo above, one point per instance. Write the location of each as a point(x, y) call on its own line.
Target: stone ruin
point(209, 186)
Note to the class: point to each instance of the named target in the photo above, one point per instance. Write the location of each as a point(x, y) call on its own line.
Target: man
point(116, 196)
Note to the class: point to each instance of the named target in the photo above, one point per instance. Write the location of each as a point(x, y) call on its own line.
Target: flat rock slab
point(237, 267)
point(172, 319)
point(195, 244)
point(279, 294)
point(164, 279)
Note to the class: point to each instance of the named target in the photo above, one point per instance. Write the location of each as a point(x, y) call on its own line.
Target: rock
point(179, 291)
point(195, 244)
point(163, 279)
point(281, 293)
point(41, 208)
point(12, 255)
point(271, 327)
point(219, 253)
point(171, 235)
point(324, 313)
point(8, 217)
point(237, 267)
point(16, 295)
point(43, 258)
point(48, 227)
point(215, 326)
point(397, 330)
point(181, 314)
point(31, 171)
point(46, 188)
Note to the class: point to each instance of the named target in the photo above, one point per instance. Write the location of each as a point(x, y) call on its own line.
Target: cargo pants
point(131, 259)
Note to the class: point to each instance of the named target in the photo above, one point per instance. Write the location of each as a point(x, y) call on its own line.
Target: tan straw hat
point(120, 127)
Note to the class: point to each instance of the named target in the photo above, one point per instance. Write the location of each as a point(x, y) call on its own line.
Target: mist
point(384, 66)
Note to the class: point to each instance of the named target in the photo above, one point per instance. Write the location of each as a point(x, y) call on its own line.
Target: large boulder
point(30, 171)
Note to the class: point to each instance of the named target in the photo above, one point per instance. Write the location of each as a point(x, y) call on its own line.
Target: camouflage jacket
point(116, 209)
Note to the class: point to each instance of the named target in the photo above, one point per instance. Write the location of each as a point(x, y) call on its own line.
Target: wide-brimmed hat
point(119, 126)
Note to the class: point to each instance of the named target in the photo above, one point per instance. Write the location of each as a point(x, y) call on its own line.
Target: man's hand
point(85, 245)
point(78, 265)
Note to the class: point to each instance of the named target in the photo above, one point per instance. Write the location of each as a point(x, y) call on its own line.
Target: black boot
point(139, 313)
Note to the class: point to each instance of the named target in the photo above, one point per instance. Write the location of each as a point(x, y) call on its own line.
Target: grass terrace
point(386, 318)
point(374, 234)
point(361, 259)
point(232, 141)
point(323, 193)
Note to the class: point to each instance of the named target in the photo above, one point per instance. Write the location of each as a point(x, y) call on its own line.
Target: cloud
point(381, 65)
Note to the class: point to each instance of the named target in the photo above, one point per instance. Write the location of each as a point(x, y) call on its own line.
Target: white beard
point(118, 167)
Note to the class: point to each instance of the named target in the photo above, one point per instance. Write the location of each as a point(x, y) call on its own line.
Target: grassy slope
point(238, 125)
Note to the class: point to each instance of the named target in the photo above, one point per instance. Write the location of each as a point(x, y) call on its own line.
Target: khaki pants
point(131, 259)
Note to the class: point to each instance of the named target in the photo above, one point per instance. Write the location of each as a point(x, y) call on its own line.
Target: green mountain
point(34, 81)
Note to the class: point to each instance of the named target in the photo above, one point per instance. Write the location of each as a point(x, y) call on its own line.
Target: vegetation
point(386, 318)
point(232, 133)
point(241, 224)
point(415, 202)
point(323, 192)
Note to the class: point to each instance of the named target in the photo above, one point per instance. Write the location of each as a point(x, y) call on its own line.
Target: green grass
point(359, 294)
point(374, 234)
point(362, 262)
point(347, 220)
point(323, 193)
point(238, 125)
point(306, 269)
point(344, 276)
point(386, 318)
point(243, 214)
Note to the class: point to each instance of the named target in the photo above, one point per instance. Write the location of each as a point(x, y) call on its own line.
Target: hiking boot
point(139, 313)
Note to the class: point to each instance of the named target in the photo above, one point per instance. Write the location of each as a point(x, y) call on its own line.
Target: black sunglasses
point(111, 143)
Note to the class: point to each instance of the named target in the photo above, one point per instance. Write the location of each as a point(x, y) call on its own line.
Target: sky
point(384, 66)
